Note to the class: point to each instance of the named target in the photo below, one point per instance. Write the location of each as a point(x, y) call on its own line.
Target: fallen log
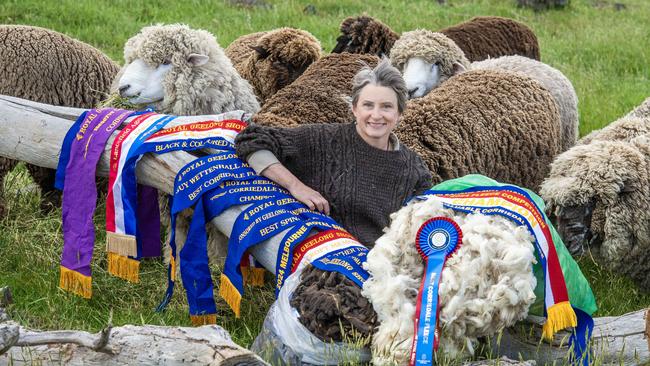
point(127, 345)
point(615, 340)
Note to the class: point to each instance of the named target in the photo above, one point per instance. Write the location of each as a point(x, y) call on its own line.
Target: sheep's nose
point(123, 90)
point(411, 92)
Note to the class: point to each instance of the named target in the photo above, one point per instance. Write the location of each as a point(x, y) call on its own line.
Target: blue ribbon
point(436, 239)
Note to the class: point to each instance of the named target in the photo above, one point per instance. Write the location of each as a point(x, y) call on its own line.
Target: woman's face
point(376, 112)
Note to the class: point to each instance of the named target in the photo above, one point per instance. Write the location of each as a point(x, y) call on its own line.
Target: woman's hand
point(314, 200)
point(282, 176)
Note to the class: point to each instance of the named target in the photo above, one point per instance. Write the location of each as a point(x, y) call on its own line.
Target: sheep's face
point(142, 82)
point(421, 76)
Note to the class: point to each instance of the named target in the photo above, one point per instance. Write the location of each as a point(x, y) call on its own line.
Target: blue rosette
point(437, 239)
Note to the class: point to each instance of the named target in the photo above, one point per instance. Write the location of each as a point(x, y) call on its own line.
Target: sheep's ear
point(262, 52)
point(457, 68)
point(197, 59)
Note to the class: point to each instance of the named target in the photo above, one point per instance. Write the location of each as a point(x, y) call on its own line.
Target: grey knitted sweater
point(362, 184)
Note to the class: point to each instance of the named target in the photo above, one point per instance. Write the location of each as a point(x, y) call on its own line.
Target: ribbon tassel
point(124, 267)
point(559, 316)
point(76, 283)
point(230, 294)
point(122, 244)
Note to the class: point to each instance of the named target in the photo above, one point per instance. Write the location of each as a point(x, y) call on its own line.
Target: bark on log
point(131, 345)
point(615, 340)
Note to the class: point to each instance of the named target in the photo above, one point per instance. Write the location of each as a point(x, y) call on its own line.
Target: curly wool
point(215, 87)
point(433, 47)
point(484, 37)
point(364, 34)
point(502, 125)
point(487, 285)
point(49, 67)
point(553, 80)
point(318, 95)
point(241, 48)
point(277, 59)
point(611, 167)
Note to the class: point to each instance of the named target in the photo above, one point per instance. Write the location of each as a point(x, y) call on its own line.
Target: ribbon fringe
point(172, 267)
point(206, 319)
point(124, 267)
point(76, 283)
point(230, 294)
point(559, 316)
point(253, 276)
point(124, 245)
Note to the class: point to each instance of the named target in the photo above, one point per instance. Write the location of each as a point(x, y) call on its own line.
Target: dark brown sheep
point(364, 34)
point(489, 37)
point(318, 95)
point(274, 59)
point(49, 67)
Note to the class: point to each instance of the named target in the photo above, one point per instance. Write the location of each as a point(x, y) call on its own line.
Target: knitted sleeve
point(282, 142)
point(424, 181)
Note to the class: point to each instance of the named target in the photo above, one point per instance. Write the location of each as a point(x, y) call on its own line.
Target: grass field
point(602, 48)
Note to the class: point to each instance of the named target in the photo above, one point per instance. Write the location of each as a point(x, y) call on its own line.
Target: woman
point(358, 173)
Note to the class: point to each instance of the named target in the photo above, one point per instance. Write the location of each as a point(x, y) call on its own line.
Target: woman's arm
point(282, 176)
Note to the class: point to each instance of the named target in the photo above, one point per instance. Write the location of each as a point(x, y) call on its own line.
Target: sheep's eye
point(437, 63)
point(166, 61)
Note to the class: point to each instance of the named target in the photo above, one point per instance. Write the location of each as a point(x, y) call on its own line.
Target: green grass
point(604, 52)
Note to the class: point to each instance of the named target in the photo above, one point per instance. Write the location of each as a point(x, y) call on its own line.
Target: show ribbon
point(436, 240)
point(80, 153)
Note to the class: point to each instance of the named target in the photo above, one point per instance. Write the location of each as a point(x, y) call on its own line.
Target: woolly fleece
point(364, 34)
point(241, 48)
point(487, 285)
point(279, 58)
point(502, 125)
point(215, 87)
point(49, 67)
point(318, 95)
point(553, 80)
point(484, 37)
point(611, 166)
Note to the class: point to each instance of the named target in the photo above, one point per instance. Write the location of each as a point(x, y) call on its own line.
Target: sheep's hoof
point(574, 226)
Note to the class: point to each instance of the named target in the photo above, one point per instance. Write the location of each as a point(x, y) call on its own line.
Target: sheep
point(489, 36)
point(599, 190)
point(428, 59)
point(364, 34)
point(479, 38)
point(241, 48)
point(182, 71)
point(318, 95)
point(49, 67)
point(274, 58)
point(553, 80)
point(472, 304)
point(502, 125)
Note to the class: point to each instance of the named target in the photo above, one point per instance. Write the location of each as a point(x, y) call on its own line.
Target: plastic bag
point(285, 341)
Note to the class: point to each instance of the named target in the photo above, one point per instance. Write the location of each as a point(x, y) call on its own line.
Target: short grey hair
point(384, 74)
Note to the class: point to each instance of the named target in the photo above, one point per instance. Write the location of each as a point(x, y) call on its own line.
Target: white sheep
point(182, 71)
point(427, 59)
point(488, 283)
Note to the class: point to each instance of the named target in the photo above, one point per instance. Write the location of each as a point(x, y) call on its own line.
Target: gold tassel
point(229, 293)
point(124, 245)
point(253, 276)
point(198, 320)
point(558, 317)
point(124, 267)
point(76, 283)
point(172, 263)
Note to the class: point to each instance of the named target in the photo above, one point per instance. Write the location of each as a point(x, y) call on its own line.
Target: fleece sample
point(49, 67)
point(498, 124)
point(319, 95)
